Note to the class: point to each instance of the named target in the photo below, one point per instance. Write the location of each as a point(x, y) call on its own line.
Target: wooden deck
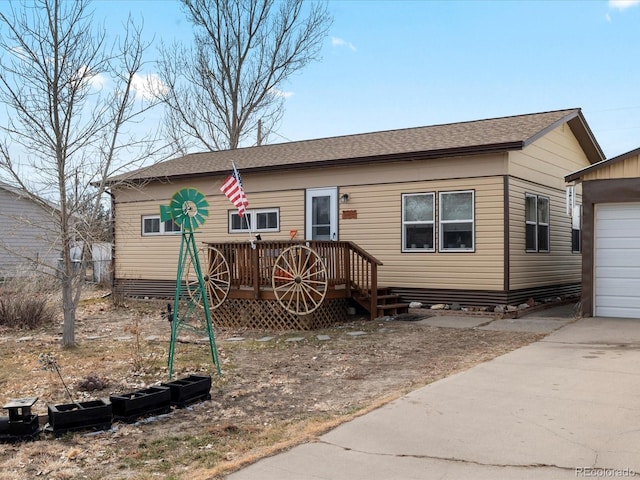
point(351, 272)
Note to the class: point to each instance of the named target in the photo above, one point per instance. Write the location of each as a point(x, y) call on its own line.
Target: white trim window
point(151, 225)
point(457, 221)
point(418, 232)
point(258, 220)
point(536, 211)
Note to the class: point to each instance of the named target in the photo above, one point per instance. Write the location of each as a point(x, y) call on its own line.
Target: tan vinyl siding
point(534, 269)
point(378, 230)
point(628, 168)
point(156, 257)
point(547, 160)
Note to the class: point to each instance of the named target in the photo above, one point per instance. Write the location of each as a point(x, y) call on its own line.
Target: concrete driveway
point(564, 407)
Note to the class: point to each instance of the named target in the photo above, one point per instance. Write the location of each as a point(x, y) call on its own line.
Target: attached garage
point(617, 260)
point(609, 194)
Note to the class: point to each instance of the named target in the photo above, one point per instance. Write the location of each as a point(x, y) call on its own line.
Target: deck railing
point(349, 267)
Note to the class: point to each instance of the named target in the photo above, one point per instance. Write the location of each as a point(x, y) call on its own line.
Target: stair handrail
point(364, 280)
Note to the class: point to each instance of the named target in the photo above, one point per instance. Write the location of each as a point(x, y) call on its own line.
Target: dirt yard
point(273, 392)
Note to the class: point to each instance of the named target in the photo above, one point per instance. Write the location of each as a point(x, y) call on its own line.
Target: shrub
point(29, 312)
point(26, 301)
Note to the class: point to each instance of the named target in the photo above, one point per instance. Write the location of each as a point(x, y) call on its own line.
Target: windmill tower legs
point(181, 317)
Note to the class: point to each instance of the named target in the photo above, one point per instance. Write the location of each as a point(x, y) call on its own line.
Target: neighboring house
point(470, 212)
point(28, 234)
point(610, 236)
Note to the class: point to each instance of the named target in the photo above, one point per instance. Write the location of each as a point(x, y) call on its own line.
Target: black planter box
point(26, 429)
point(188, 390)
point(21, 424)
point(93, 414)
point(128, 407)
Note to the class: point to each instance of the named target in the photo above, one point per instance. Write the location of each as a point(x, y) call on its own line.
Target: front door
point(321, 216)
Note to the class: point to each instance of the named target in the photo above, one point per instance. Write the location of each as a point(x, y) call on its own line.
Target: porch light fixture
point(344, 198)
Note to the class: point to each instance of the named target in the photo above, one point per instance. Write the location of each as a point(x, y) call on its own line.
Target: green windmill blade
point(197, 220)
point(165, 213)
point(188, 208)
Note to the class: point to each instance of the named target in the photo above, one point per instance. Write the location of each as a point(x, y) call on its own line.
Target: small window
point(151, 225)
point(264, 220)
point(457, 221)
point(536, 223)
point(238, 223)
point(418, 222)
point(576, 229)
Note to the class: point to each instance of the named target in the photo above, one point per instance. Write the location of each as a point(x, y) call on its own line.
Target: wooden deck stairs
point(387, 303)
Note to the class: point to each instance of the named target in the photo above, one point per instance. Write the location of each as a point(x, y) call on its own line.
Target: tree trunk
point(69, 310)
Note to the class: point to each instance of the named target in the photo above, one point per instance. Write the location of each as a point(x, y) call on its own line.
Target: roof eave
point(580, 128)
point(577, 175)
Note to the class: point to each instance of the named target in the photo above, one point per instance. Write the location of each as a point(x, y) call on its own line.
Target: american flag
point(232, 188)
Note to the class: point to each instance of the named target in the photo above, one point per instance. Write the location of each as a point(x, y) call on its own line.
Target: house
point(471, 212)
point(28, 234)
point(610, 204)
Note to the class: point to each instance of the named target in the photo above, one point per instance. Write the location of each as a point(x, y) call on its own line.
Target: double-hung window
point(536, 223)
point(256, 220)
point(418, 222)
point(151, 225)
point(457, 221)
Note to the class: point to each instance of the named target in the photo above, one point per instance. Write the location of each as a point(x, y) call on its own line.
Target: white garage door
point(617, 260)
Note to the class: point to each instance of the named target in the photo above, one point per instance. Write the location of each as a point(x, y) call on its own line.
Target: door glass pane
point(321, 212)
point(321, 218)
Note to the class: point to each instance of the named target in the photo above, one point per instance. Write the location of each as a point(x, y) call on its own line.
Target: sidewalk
point(565, 407)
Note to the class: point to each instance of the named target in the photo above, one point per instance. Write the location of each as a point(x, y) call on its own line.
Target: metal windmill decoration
point(188, 208)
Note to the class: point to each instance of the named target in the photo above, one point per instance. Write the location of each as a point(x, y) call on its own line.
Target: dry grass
point(272, 394)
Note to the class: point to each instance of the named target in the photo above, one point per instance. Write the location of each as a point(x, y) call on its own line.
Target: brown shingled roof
point(465, 138)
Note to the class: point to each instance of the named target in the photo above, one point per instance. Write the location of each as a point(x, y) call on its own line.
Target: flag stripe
point(232, 188)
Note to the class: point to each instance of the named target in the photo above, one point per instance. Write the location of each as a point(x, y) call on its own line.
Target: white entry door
point(321, 216)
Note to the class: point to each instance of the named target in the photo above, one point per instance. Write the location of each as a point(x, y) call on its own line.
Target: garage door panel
point(617, 260)
point(616, 272)
point(611, 228)
point(628, 243)
point(619, 287)
point(618, 312)
point(618, 301)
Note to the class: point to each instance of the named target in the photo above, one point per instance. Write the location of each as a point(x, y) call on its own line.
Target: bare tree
point(229, 85)
point(66, 130)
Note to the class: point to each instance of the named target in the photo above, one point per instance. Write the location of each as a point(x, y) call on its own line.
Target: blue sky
point(398, 64)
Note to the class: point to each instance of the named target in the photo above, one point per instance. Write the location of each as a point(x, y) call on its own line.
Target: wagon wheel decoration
point(215, 275)
point(299, 280)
